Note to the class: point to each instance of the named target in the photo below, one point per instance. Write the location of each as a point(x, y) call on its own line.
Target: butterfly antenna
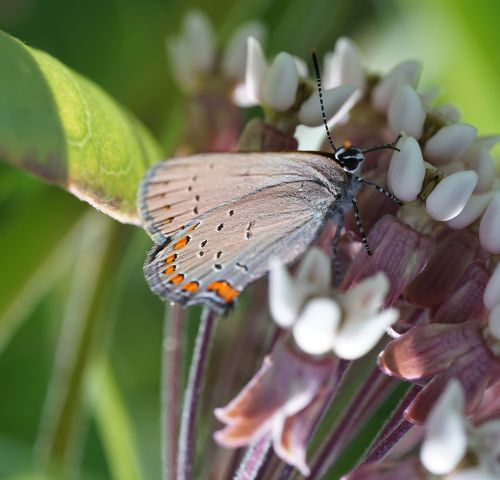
point(391, 146)
point(320, 93)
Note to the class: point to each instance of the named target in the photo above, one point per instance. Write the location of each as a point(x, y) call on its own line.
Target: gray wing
point(250, 207)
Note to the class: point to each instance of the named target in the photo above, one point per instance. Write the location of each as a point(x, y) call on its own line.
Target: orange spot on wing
point(224, 290)
point(347, 144)
point(193, 227)
point(170, 270)
point(171, 258)
point(176, 279)
point(181, 243)
point(191, 287)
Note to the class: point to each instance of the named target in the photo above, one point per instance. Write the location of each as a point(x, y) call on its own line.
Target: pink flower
point(435, 353)
point(282, 400)
point(399, 251)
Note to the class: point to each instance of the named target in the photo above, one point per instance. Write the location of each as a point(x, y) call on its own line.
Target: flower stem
point(389, 442)
point(171, 386)
point(344, 428)
point(390, 427)
point(255, 458)
point(192, 395)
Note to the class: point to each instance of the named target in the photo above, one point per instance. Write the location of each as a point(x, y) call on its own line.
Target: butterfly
point(218, 218)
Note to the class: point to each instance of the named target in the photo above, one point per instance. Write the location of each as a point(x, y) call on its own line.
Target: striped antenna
point(320, 93)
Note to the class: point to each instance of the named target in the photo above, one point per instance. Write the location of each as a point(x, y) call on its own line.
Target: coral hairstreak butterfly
point(217, 218)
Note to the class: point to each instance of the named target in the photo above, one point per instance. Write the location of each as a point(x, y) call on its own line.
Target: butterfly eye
point(349, 158)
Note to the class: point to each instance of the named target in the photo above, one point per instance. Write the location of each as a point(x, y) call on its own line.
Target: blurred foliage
point(80, 333)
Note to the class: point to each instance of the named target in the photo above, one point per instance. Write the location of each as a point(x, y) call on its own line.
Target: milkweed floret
point(284, 90)
point(348, 325)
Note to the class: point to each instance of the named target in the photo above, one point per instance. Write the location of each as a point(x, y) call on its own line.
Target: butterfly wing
point(221, 217)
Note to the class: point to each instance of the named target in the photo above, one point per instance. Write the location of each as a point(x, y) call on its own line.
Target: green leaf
point(65, 129)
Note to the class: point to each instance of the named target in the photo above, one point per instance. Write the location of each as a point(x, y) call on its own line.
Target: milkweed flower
point(350, 325)
point(284, 398)
point(286, 93)
point(443, 166)
point(195, 58)
point(452, 448)
point(211, 76)
point(433, 258)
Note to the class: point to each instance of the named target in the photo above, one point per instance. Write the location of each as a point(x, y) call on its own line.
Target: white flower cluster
point(449, 438)
point(275, 86)
point(470, 189)
point(193, 53)
point(350, 325)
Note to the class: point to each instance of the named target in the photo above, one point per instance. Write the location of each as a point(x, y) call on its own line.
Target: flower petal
point(182, 65)
point(357, 337)
point(466, 301)
point(489, 228)
point(285, 384)
point(200, 39)
point(344, 66)
point(285, 299)
point(494, 322)
point(234, 60)
point(487, 141)
point(447, 113)
point(428, 349)
point(400, 253)
point(315, 273)
point(281, 82)
point(475, 370)
point(316, 329)
point(256, 70)
point(333, 101)
point(450, 258)
point(407, 171)
point(473, 209)
point(290, 441)
point(301, 65)
point(445, 440)
point(449, 142)
point(406, 112)
point(366, 297)
point(407, 72)
point(450, 196)
point(492, 292)
point(483, 165)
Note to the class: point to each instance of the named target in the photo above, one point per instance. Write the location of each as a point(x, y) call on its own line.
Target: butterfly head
point(349, 158)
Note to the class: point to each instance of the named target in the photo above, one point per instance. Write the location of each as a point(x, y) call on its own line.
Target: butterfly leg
point(359, 223)
point(380, 189)
point(337, 263)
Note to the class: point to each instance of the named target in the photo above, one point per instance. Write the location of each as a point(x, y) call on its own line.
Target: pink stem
point(329, 450)
point(186, 440)
point(171, 378)
point(255, 460)
point(392, 424)
point(389, 442)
